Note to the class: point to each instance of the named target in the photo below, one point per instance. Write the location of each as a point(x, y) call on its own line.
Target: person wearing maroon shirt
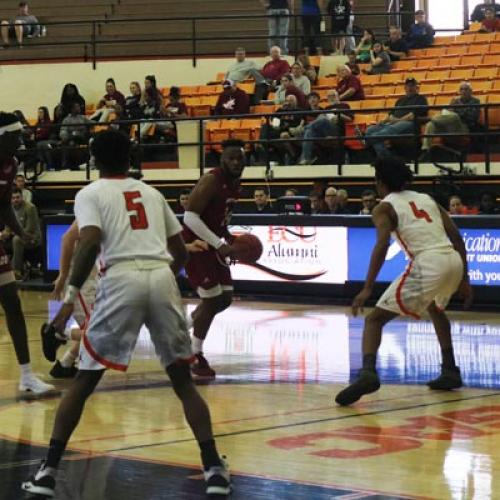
point(287, 88)
point(232, 101)
point(276, 67)
point(490, 23)
point(112, 102)
point(43, 125)
point(349, 86)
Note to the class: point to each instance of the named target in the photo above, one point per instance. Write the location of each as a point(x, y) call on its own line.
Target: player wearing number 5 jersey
point(437, 268)
point(140, 246)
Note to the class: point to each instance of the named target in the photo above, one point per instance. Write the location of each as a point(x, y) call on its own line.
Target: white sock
point(26, 371)
point(68, 360)
point(197, 344)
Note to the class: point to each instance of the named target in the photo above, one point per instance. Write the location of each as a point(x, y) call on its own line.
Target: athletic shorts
point(6, 273)
point(208, 274)
point(431, 277)
point(132, 294)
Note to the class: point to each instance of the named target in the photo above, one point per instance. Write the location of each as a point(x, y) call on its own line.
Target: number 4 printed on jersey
point(139, 219)
point(420, 214)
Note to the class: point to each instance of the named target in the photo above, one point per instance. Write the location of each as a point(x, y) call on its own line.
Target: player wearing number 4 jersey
point(437, 269)
point(141, 249)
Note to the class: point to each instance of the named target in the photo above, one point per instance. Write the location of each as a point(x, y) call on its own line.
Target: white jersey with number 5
point(420, 225)
point(134, 218)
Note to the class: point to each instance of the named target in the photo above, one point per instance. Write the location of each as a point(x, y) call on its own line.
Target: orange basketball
point(247, 248)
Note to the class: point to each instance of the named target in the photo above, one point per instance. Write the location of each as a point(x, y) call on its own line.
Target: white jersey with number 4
point(420, 225)
point(134, 218)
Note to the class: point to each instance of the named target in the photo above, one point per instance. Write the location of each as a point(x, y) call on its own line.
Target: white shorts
point(129, 295)
point(85, 302)
point(431, 277)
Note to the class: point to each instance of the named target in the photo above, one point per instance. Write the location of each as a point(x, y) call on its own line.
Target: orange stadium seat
point(444, 40)
point(474, 26)
point(426, 63)
point(494, 48)
point(456, 50)
point(393, 78)
point(478, 49)
point(212, 124)
point(403, 65)
point(327, 82)
point(482, 86)
point(450, 88)
point(192, 101)
point(490, 73)
point(461, 74)
point(372, 103)
point(439, 75)
point(483, 38)
point(464, 39)
point(491, 60)
point(355, 104)
point(442, 100)
point(264, 108)
point(365, 118)
point(249, 88)
point(189, 90)
point(208, 100)
point(496, 86)
point(430, 88)
point(471, 61)
point(382, 90)
point(418, 75)
point(497, 36)
point(209, 89)
point(399, 90)
point(220, 77)
point(200, 110)
point(494, 112)
point(390, 102)
point(369, 79)
point(435, 52)
point(315, 61)
point(448, 62)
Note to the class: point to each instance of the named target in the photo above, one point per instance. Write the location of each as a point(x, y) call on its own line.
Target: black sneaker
point(41, 483)
point(366, 383)
point(449, 379)
point(200, 368)
point(218, 480)
point(60, 371)
point(51, 341)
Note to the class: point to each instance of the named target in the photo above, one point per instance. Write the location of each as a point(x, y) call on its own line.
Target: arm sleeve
point(172, 225)
point(87, 210)
point(193, 221)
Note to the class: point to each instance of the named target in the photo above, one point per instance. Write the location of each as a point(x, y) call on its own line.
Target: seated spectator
point(275, 68)
point(490, 23)
point(75, 131)
point(294, 130)
point(330, 198)
point(421, 33)
point(27, 216)
point(488, 204)
point(291, 192)
point(317, 203)
point(43, 125)
point(113, 102)
point(368, 202)
point(174, 107)
point(396, 47)
point(399, 121)
point(132, 109)
point(340, 12)
point(342, 201)
point(299, 79)
point(309, 69)
point(182, 201)
point(69, 95)
point(27, 135)
point(455, 120)
point(23, 25)
point(243, 69)
point(380, 61)
point(151, 104)
point(455, 206)
point(232, 100)
point(313, 104)
point(20, 183)
point(287, 88)
point(365, 46)
point(349, 86)
point(479, 12)
point(352, 64)
point(326, 126)
point(261, 201)
point(47, 136)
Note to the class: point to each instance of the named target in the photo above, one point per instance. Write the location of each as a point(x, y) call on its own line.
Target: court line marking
point(312, 422)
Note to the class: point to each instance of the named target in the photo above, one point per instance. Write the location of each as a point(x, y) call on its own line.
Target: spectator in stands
point(455, 206)
point(311, 26)
point(69, 95)
point(175, 108)
point(317, 203)
point(182, 201)
point(396, 46)
point(313, 104)
point(287, 88)
point(478, 14)
point(232, 100)
point(243, 69)
point(151, 104)
point(261, 201)
point(278, 22)
point(400, 120)
point(368, 202)
point(24, 25)
point(274, 69)
point(349, 86)
point(291, 192)
point(294, 130)
point(488, 204)
point(352, 64)
point(20, 183)
point(340, 12)
point(27, 134)
point(27, 216)
point(309, 69)
point(330, 198)
point(454, 120)
point(421, 33)
point(365, 46)
point(342, 202)
point(43, 124)
point(112, 103)
point(380, 61)
point(326, 126)
point(75, 131)
point(47, 136)
point(299, 79)
point(490, 23)
point(132, 109)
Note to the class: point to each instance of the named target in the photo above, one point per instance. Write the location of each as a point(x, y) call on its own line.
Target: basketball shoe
point(200, 367)
point(31, 387)
point(60, 371)
point(42, 483)
point(51, 341)
point(449, 379)
point(218, 480)
point(366, 383)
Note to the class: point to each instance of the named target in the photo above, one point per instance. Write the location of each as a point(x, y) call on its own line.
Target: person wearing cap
point(421, 33)
point(349, 86)
point(401, 120)
point(232, 100)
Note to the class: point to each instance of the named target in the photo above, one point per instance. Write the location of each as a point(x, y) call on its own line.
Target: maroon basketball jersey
point(217, 213)
point(8, 173)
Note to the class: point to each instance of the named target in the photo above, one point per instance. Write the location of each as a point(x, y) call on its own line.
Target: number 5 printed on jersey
point(420, 214)
point(139, 219)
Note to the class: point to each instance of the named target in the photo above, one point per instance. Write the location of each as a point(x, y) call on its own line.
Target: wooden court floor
point(279, 367)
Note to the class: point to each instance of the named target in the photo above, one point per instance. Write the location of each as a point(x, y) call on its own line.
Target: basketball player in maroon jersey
point(207, 216)
point(29, 384)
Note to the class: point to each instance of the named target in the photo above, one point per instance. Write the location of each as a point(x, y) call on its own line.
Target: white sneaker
point(32, 386)
point(218, 479)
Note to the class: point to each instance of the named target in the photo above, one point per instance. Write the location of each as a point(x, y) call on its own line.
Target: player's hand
point(225, 251)
point(59, 283)
point(62, 317)
point(197, 246)
point(359, 301)
point(466, 293)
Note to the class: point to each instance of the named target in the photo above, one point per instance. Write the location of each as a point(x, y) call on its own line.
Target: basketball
point(247, 248)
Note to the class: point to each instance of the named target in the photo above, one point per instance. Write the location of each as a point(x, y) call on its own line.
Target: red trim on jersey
point(100, 359)
point(399, 298)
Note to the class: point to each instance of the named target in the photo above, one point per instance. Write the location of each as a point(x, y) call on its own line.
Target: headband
point(11, 127)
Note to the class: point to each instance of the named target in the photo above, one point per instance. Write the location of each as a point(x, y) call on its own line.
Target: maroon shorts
point(208, 275)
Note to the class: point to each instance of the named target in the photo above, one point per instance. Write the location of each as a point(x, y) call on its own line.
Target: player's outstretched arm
point(384, 223)
point(454, 236)
point(68, 243)
point(178, 251)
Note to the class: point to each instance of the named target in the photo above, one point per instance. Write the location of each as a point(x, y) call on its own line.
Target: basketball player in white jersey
point(131, 225)
point(437, 269)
